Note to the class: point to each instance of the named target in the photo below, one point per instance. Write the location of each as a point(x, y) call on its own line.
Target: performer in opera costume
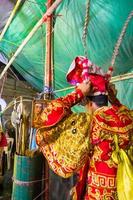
point(94, 144)
point(3, 143)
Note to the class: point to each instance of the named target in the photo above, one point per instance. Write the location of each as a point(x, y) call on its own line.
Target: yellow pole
point(10, 19)
point(35, 28)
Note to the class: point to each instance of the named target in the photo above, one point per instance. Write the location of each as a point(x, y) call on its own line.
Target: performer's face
point(38, 108)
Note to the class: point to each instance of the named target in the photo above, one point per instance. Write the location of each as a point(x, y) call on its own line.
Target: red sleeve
point(71, 99)
point(57, 109)
point(3, 140)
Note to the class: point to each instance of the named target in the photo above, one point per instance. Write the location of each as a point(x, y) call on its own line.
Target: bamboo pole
point(35, 28)
point(113, 79)
point(10, 19)
point(48, 68)
point(48, 81)
point(122, 77)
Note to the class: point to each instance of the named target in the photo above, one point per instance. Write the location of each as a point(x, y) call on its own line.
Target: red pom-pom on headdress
point(83, 69)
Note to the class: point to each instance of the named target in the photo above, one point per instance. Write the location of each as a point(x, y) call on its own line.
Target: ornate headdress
point(83, 69)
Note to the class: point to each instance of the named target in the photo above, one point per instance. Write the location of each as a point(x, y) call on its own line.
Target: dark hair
point(100, 100)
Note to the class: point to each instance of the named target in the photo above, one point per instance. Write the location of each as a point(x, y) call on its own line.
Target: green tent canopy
point(106, 20)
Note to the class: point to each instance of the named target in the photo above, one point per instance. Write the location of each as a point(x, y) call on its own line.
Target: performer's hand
point(112, 94)
point(111, 88)
point(85, 87)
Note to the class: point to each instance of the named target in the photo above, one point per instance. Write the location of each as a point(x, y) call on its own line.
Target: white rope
point(27, 183)
point(116, 52)
point(85, 27)
point(41, 193)
point(119, 41)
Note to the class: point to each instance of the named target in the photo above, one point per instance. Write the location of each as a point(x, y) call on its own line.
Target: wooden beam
point(48, 68)
point(48, 81)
